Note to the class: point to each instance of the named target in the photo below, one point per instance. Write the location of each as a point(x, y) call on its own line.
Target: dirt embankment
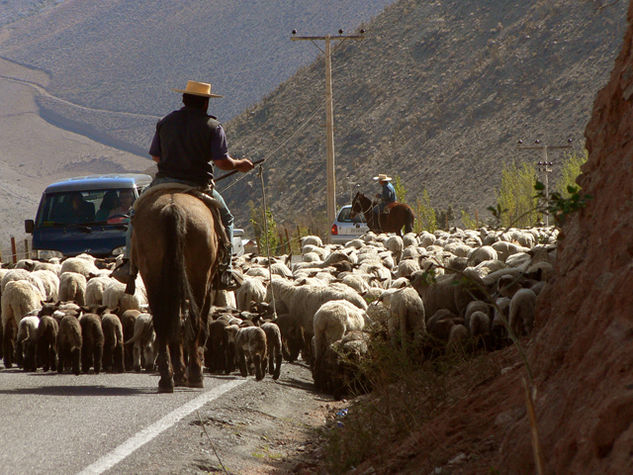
point(581, 350)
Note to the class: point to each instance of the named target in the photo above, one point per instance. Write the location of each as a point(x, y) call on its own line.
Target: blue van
point(85, 214)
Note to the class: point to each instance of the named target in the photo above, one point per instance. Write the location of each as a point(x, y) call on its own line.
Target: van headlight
point(48, 254)
point(118, 251)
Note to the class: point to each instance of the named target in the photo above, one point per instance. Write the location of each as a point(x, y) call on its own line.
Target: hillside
point(438, 93)
point(121, 56)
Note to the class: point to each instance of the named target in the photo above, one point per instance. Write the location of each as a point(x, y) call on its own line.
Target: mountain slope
point(122, 56)
point(438, 93)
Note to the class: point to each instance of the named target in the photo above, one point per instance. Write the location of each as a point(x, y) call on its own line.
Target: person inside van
point(126, 198)
point(79, 210)
point(109, 202)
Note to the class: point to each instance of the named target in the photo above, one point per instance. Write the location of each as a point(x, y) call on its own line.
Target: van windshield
point(110, 206)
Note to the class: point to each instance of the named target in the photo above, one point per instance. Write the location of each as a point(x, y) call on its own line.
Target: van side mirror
point(29, 226)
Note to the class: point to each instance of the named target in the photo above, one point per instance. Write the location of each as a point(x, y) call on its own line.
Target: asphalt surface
point(118, 423)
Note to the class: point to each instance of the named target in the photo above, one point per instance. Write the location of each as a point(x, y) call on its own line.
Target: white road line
point(144, 436)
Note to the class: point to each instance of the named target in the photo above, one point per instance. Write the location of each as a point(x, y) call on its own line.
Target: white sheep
point(82, 264)
point(18, 299)
point(407, 320)
point(27, 342)
point(332, 320)
point(95, 288)
point(72, 286)
point(521, 313)
point(144, 341)
point(114, 296)
point(481, 254)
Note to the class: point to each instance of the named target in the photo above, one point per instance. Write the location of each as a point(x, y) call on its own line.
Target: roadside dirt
point(258, 428)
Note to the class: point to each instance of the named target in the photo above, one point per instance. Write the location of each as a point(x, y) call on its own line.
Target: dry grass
point(407, 392)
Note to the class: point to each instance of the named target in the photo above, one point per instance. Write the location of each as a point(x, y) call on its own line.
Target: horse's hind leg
point(166, 382)
point(177, 362)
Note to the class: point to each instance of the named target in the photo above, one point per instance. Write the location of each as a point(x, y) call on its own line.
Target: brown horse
point(174, 246)
point(400, 214)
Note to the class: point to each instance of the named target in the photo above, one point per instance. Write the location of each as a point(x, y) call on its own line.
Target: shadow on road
point(80, 391)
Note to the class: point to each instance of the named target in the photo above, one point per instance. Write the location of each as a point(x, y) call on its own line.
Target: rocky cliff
point(583, 351)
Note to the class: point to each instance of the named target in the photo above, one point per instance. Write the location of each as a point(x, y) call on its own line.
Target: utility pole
point(329, 111)
point(545, 165)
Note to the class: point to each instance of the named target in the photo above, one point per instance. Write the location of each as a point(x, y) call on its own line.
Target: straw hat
point(382, 177)
point(197, 89)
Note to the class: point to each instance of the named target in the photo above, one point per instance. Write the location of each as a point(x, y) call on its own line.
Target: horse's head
point(356, 205)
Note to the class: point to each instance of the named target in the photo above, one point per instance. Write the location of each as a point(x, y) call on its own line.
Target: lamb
point(69, 344)
point(292, 336)
point(47, 342)
point(92, 342)
point(112, 342)
point(128, 318)
point(251, 345)
point(27, 342)
point(521, 314)
point(332, 320)
point(218, 357)
point(407, 320)
point(273, 343)
point(72, 286)
point(18, 299)
point(144, 339)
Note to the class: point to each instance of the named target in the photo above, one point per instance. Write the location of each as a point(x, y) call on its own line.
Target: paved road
point(117, 423)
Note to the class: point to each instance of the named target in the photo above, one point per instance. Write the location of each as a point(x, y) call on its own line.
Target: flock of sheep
point(441, 289)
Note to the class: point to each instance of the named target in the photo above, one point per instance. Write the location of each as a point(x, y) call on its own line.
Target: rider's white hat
point(382, 177)
point(197, 89)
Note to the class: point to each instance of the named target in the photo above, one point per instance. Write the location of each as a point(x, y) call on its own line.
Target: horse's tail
point(174, 294)
point(408, 225)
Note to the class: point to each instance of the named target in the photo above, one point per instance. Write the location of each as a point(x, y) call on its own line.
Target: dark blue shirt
point(388, 193)
point(188, 141)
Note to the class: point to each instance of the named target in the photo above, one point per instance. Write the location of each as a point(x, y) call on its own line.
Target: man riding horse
point(387, 196)
point(186, 145)
point(386, 215)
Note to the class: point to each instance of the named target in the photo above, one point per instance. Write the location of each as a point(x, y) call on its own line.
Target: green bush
point(517, 204)
point(425, 214)
point(570, 170)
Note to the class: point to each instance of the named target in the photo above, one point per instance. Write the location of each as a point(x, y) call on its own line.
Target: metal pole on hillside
point(545, 165)
point(329, 112)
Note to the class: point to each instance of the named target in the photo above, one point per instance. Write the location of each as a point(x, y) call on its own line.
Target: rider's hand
point(244, 165)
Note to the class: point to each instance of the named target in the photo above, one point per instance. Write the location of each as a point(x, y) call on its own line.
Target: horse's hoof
point(180, 381)
point(165, 386)
point(196, 384)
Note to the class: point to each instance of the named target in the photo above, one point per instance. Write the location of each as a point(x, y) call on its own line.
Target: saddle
point(203, 194)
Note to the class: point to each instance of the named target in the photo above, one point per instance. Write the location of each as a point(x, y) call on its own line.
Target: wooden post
point(14, 251)
point(27, 254)
point(329, 115)
point(288, 240)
